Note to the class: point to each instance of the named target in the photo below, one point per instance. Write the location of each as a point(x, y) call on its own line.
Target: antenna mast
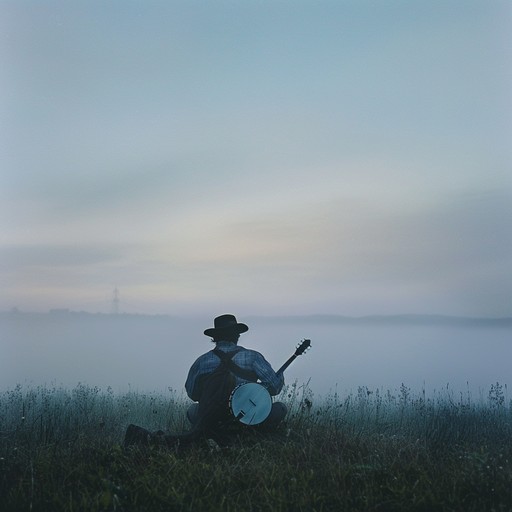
point(115, 302)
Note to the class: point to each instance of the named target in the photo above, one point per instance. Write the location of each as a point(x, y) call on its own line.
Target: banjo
point(250, 403)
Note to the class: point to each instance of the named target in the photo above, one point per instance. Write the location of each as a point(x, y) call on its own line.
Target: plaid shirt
point(245, 358)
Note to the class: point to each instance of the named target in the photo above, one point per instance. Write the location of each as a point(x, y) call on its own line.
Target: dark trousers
point(140, 436)
point(276, 416)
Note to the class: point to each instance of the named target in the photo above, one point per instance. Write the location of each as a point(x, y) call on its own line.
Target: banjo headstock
point(302, 347)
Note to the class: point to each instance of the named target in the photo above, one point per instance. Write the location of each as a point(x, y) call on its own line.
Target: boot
point(136, 436)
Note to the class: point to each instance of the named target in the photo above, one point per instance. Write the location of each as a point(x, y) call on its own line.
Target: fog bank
point(149, 353)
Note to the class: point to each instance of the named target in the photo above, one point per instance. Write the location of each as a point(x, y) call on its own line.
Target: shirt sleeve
point(190, 384)
point(273, 381)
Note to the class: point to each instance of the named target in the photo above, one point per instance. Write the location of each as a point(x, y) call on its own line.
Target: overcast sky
point(257, 157)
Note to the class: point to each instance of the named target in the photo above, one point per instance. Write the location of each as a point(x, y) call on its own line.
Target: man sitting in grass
point(245, 365)
point(210, 381)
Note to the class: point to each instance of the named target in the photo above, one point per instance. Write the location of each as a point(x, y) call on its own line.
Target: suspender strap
point(226, 358)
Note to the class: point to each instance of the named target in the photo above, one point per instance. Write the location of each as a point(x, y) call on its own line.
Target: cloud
point(446, 250)
point(22, 256)
point(330, 151)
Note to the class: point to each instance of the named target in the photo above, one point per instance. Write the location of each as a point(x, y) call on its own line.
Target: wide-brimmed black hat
point(225, 324)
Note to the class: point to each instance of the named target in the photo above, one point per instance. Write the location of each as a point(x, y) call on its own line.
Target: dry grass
point(367, 451)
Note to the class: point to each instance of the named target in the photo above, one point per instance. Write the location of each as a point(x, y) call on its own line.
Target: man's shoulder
point(250, 352)
point(236, 349)
point(206, 356)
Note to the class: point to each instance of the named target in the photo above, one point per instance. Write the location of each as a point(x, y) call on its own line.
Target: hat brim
point(215, 332)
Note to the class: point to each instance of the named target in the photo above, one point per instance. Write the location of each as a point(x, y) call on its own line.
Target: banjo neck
point(288, 363)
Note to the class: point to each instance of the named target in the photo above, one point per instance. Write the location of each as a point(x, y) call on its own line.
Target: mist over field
point(164, 163)
point(147, 353)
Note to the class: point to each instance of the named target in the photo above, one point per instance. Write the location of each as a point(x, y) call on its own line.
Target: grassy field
point(60, 450)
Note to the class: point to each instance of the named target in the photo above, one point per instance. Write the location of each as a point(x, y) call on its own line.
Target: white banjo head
point(250, 403)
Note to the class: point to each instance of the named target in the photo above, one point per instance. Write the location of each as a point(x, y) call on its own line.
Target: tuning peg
point(303, 346)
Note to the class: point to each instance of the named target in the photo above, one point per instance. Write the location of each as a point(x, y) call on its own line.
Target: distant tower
point(115, 302)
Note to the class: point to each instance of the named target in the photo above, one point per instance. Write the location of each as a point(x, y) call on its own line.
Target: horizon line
point(310, 316)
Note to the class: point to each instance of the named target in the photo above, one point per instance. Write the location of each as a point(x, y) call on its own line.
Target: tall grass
point(60, 449)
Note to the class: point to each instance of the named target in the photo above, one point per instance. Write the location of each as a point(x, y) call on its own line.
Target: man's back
point(249, 360)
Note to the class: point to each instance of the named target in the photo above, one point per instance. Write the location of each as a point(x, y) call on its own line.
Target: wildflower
point(306, 405)
point(213, 445)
